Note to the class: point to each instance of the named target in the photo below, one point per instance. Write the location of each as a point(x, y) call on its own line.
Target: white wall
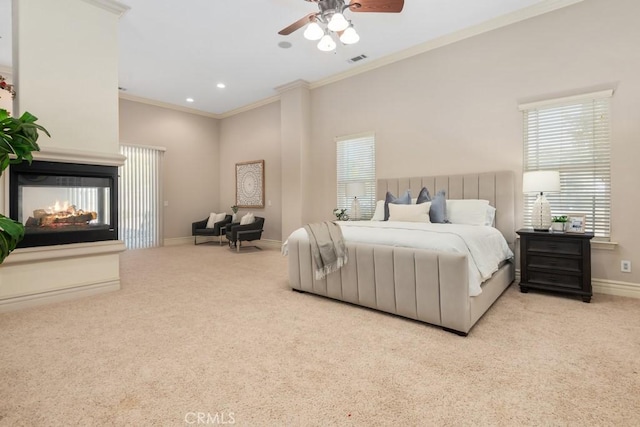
point(66, 54)
point(253, 135)
point(191, 169)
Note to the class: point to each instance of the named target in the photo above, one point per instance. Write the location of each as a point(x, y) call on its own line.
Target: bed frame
point(425, 285)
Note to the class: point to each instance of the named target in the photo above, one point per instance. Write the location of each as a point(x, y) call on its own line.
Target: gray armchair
point(199, 228)
point(237, 233)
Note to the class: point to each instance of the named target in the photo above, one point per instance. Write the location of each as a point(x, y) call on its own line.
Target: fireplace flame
point(57, 207)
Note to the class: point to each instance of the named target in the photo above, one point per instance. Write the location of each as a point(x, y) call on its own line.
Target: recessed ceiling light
point(221, 85)
point(189, 99)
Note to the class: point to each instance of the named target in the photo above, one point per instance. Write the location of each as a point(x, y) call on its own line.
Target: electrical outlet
point(625, 266)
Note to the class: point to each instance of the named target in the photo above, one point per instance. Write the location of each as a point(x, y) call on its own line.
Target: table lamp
point(355, 190)
point(541, 182)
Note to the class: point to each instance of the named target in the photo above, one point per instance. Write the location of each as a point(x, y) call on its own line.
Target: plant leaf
point(11, 233)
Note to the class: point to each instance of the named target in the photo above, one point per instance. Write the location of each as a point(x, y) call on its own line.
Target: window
point(571, 135)
point(139, 194)
point(356, 163)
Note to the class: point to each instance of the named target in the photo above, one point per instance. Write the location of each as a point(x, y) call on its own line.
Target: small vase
point(234, 217)
point(557, 226)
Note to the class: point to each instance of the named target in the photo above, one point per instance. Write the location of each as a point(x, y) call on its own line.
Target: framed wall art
point(575, 223)
point(250, 184)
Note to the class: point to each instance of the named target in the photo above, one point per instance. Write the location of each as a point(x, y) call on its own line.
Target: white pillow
point(378, 214)
point(409, 213)
point(490, 219)
point(214, 217)
point(247, 219)
point(467, 211)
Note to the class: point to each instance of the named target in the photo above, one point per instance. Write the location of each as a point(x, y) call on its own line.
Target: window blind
point(572, 137)
point(139, 197)
point(356, 163)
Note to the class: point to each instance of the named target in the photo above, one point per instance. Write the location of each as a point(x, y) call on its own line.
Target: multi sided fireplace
point(62, 203)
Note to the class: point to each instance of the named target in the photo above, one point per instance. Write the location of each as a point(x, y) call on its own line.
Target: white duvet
point(485, 247)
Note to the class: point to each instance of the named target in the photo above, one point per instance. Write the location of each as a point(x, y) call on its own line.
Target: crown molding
point(249, 107)
point(293, 85)
point(490, 25)
point(111, 6)
point(167, 105)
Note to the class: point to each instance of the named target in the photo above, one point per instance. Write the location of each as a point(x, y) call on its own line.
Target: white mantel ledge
point(64, 155)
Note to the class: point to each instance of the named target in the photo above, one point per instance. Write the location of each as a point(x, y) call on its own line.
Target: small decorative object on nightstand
point(559, 262)
point(341, 214)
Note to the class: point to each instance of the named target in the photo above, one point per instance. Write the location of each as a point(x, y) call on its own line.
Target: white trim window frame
point(356, 163)
point(573, 136)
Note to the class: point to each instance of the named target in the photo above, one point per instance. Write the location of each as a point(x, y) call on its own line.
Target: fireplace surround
point(63, 203)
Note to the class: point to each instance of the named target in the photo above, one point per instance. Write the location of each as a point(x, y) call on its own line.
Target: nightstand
point(558, 262)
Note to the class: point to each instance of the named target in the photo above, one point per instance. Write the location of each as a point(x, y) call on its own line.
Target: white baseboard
point(613, 287)
point(608, 287)
point(26, 301)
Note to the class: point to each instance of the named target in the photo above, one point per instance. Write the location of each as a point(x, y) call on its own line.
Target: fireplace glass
point(62, 203)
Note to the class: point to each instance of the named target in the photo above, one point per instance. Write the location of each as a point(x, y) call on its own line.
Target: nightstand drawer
point(555, 246)
point(556, 280)
point(569, 265)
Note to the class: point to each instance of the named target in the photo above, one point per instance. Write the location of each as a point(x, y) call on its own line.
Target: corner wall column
point(295, 126)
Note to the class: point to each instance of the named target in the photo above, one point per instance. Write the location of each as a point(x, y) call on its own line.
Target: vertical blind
point(139, 197)
point(356, 163)
point(572, 137)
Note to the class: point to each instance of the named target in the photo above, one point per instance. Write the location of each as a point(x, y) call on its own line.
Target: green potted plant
point(17, 141)
point(558, 223)
point(234, 217)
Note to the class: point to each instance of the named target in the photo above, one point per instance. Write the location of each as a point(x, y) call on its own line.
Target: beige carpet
point(203, 331)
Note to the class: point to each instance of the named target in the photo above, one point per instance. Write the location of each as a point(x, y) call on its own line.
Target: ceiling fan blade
point(298, 24)
point(387, 6)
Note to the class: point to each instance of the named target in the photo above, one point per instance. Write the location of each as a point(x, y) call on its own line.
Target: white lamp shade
point(541, 182)
point(337, 22)
point(355, 189)
point(326, 44)
point(313, 31)
point(349, 36)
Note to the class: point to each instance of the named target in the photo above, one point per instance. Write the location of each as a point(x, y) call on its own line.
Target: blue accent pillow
point(438, 210)
point(405, 199)
point(424, 196)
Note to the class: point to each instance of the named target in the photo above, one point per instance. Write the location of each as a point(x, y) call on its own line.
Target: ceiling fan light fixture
point(313, 31)
point(349, 36)
point(338, 22)
point(326, 43)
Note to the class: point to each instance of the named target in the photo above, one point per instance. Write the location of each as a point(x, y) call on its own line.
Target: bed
point(431, 286)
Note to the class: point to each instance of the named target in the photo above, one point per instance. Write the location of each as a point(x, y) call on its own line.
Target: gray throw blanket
point(327, 247)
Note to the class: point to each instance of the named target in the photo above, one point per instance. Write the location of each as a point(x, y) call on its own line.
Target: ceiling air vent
point(357, 58)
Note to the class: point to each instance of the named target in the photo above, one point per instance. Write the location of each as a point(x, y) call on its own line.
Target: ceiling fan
point(331, 15)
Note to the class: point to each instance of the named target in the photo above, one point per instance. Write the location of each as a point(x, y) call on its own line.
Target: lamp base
point(355, 209)
point(541, 214)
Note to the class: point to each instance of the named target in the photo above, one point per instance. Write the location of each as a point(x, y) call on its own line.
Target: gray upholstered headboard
point(496, 187)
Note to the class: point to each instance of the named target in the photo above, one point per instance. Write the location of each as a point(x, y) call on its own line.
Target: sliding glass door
point(140, 196)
